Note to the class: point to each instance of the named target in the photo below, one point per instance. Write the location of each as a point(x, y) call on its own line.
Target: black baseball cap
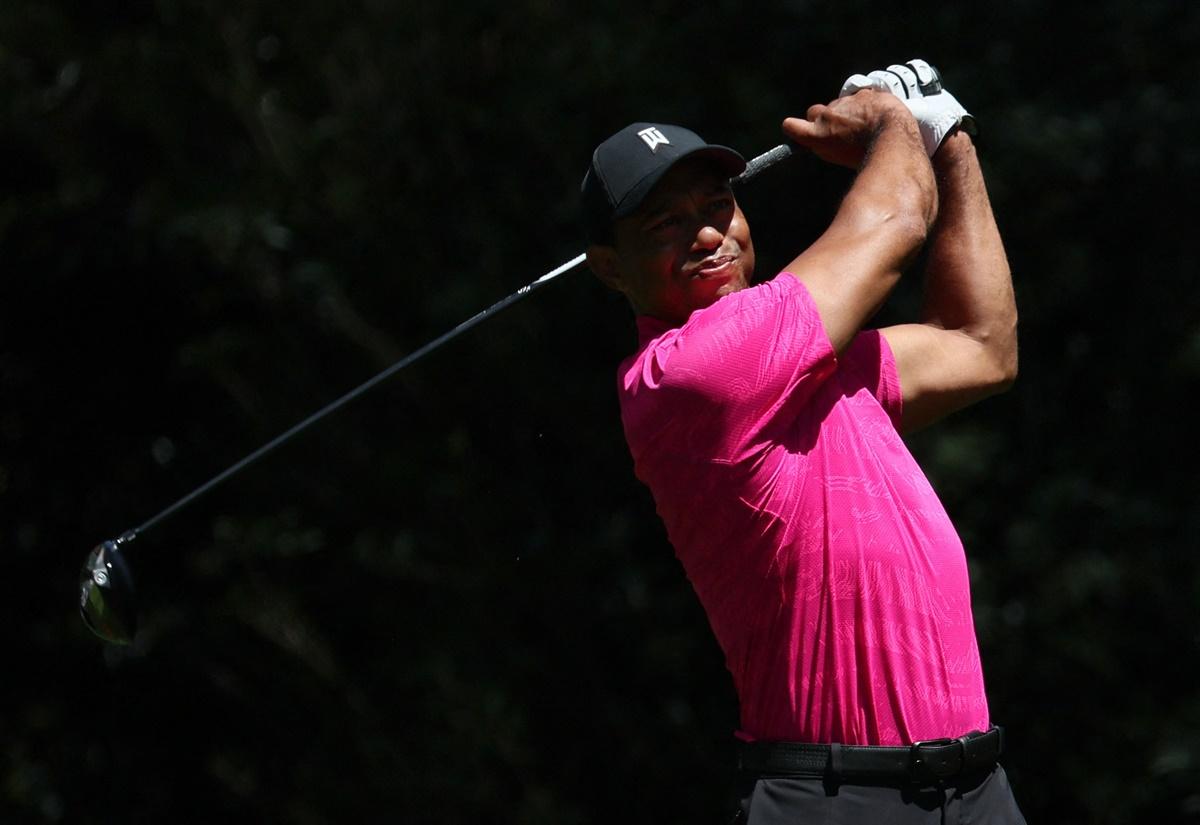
point(627, 165)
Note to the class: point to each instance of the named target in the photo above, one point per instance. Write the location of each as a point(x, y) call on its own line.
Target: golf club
point(107, 600)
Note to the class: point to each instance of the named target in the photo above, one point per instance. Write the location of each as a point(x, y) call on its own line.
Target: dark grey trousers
point(985, 799)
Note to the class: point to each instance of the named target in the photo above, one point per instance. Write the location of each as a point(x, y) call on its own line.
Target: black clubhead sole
point(106, 596)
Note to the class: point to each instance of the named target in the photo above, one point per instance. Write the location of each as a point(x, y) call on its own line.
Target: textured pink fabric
point(831, 575)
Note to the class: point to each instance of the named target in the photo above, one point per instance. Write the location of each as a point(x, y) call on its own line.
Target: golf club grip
point(764, 161)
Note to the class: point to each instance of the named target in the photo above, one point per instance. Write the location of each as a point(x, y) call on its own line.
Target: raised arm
point(884, 218)
point(965, 347)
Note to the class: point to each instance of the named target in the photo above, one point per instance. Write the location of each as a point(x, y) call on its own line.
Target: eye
point(666, 222)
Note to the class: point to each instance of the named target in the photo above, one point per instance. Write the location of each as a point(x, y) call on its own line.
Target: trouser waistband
point(929, 762)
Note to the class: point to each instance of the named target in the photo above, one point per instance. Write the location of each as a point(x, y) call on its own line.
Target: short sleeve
point(868, 363)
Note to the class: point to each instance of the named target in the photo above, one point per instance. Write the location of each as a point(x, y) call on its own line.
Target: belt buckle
point(936, 759)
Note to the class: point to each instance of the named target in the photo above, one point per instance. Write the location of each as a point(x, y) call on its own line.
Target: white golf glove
point(920, 87)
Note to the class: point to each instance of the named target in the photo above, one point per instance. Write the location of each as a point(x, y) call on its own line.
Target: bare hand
point(841, 131)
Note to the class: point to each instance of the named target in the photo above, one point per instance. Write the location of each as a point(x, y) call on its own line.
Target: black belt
point(930, 762)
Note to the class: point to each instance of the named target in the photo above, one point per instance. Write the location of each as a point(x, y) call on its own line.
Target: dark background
point(452, 602)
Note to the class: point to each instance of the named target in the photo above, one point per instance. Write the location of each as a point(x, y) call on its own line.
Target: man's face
point(687, 245)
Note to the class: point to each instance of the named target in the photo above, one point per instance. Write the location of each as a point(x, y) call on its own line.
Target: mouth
point(718, 266)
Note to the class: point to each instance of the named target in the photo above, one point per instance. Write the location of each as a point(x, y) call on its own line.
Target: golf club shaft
point(332, 406)
point(753, 168)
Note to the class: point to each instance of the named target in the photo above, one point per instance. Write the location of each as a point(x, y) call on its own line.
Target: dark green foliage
point(452, 602)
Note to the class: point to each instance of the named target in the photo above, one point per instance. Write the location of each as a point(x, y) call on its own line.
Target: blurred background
point(452, 602)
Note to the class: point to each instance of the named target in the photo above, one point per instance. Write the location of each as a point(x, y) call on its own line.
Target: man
point(766, 423)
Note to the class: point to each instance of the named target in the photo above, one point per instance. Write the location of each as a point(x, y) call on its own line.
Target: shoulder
point(782, 304)
point(722, 331)
point(750, 347)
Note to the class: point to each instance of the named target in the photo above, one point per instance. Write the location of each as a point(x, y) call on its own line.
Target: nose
point(708, 237)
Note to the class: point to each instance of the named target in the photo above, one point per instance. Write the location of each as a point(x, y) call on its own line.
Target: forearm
point(885, 217)
point(873, 133)
point(968, 284)
point(896, 179)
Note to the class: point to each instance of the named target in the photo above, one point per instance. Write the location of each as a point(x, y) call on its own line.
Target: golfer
point(766, 421)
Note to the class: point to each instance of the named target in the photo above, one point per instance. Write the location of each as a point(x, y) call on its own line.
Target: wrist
point(893, 114)
point(956, 147)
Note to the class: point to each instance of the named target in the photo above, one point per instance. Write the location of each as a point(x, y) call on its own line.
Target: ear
point(606, 265)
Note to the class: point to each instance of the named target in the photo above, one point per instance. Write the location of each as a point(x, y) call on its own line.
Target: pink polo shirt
point(831, 575)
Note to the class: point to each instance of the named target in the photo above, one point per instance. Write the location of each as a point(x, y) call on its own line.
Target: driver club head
point(106, 594)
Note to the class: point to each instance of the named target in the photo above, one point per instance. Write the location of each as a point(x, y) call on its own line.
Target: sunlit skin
point(687, 245)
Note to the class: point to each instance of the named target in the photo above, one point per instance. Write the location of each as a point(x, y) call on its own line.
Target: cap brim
point(729, 161)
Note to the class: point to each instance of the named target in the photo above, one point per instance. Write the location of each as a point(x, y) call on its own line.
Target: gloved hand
point(920, 87)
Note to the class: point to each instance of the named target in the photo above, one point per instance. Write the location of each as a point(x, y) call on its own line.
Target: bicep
point(940, 371)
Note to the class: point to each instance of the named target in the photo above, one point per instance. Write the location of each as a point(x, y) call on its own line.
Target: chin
point(732, 285)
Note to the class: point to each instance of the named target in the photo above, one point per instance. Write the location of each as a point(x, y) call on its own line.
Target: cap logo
point(653, 137)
